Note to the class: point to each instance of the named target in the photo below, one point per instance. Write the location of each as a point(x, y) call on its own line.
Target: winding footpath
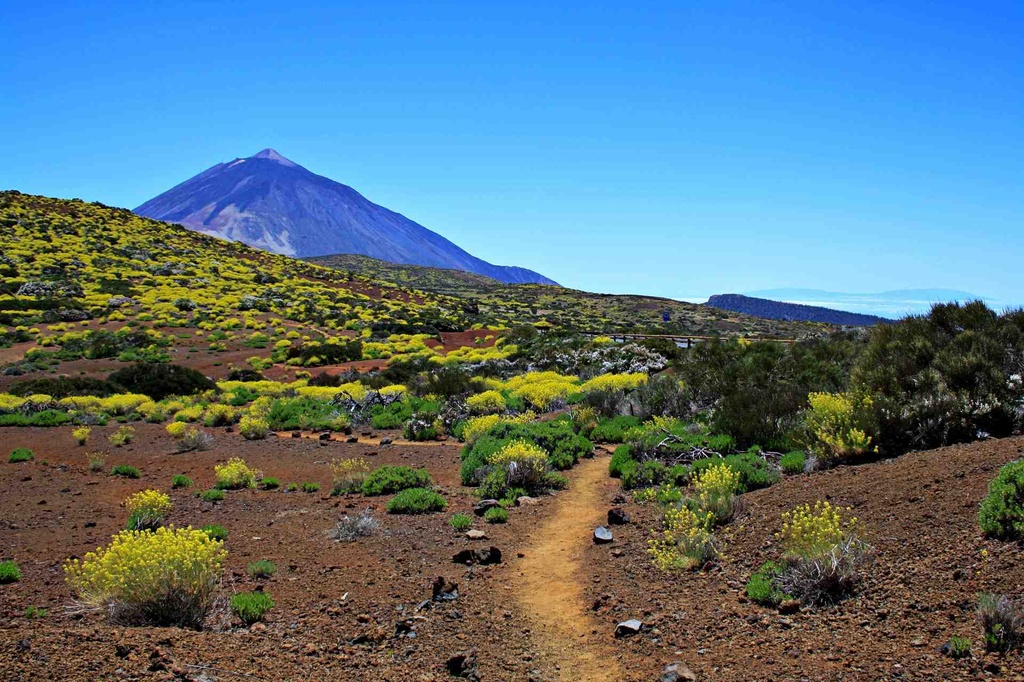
point(550, 586)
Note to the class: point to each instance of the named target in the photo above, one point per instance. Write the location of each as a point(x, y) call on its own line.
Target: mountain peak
point(273, 155)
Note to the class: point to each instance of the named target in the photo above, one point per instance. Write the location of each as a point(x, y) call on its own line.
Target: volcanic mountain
point(271, 203)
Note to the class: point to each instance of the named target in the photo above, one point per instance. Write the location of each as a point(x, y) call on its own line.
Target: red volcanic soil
point(547, 612)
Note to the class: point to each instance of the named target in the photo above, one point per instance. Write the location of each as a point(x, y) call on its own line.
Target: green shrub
point(309, 487)
point(159, 381)
point(65, 387)
point(213, 495)
point(461, 522)
point(20, 455)
point(1002, 621)
point(181, 481)
point(33, 612)
point(793, 462)
point(555, 481)
point(957, 647)
point(124, 435)
point(216, 531)
point(613, 430)
point(416, 501)
point(761, 587)
point(250, 606)
point(557, 437)
point(269, 483)
point(262, 568)
point(621, 458)
point(496, 515)
point(125, 471)
point(9, 572)
point(46, 418)
point(1002, 510)
point(392, 479)
point(305, 413)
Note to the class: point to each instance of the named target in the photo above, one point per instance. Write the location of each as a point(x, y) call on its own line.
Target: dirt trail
point(549, 581)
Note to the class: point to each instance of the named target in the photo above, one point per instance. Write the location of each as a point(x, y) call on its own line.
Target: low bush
point(622, 459)
point(309, 487)
point(262, 568)
point(837, 425)
point(213, 495)
point(125, 471)
point(496, 515)
point(235, 474)
point(350, 528)
point(416, 501)
point(957, 648)
point(794, 462)
point(251, 606)
point(194, 440)
point(123, 436)
point(147, 509)
point(1002, 622)
point(97, 461)
point(159, 381)
point(163, 578)
point(216, 531)
point(81, 434)
point(181, 481)
point(686, 541)
point(305, 413)
point(392, 479)
point(20, 455)
point(761, 587)
point(613, 430)
point(253, 428)
point(9, 572)
point(1002, 510)
point(461, 522)
point(348, 475)
point(715, 491)
point(269, 483)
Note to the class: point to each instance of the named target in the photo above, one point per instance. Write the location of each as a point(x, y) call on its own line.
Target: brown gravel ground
point(919, 513)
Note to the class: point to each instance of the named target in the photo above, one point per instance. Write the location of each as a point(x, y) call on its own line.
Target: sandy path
point(549, 585)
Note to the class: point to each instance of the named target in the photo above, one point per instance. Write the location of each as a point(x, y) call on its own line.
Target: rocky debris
point(628, 628)
point(483, 556)
point(483, 506)
point(602, 536)
point(325, 436)
point(677, 672)
point(464, 665)
point(296, 434)
point(617, 517)
point(474, 534)
point(444, 590)
point(386, 441)
point(527, 501)
point(352, 439)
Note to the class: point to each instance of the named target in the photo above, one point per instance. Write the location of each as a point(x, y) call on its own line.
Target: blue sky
point(678, 149)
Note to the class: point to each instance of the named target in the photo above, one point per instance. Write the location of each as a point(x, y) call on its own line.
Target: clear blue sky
point(676, 148)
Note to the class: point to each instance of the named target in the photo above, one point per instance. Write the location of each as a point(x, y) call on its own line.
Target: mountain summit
point(272, 203)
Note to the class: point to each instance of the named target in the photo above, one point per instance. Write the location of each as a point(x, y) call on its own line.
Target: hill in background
point(272, 203)
point(777, 310)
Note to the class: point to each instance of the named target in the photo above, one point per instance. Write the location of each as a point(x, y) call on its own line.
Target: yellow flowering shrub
point(814, 531)
point(81, 434)
point(235, 473)
point(253, 428)
point(177, 429)
point(715, 491)
point(147, 509)
point(348, 474)
point(478, 426)
point(161, 578)
point(487, 402)
point(192, 413)
point(614, 382)
point(540, 389)
point(686, 541)
point(835, 424)
point(524, 463)
point(219, 414)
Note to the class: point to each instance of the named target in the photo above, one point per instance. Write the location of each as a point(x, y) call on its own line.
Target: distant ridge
point(274, 204)
point(795, 312)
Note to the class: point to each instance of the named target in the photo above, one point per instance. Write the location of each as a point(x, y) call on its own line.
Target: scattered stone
point(602, 536)
point(464, 665)
point(526, 501)
point(444, 590)
point(352, 439)
point(90, 524)
point(386, 441)
point(790, 606)
point(483, 506)
point(617, 517)
point(325, 436)
point(677, 672)
point(296, 434)
point(483, 556)
point(474, 534)
point(628, 628)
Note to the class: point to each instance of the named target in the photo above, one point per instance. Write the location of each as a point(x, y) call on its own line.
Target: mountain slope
point(888, 304)
point(777, 310)
point(274, 204)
